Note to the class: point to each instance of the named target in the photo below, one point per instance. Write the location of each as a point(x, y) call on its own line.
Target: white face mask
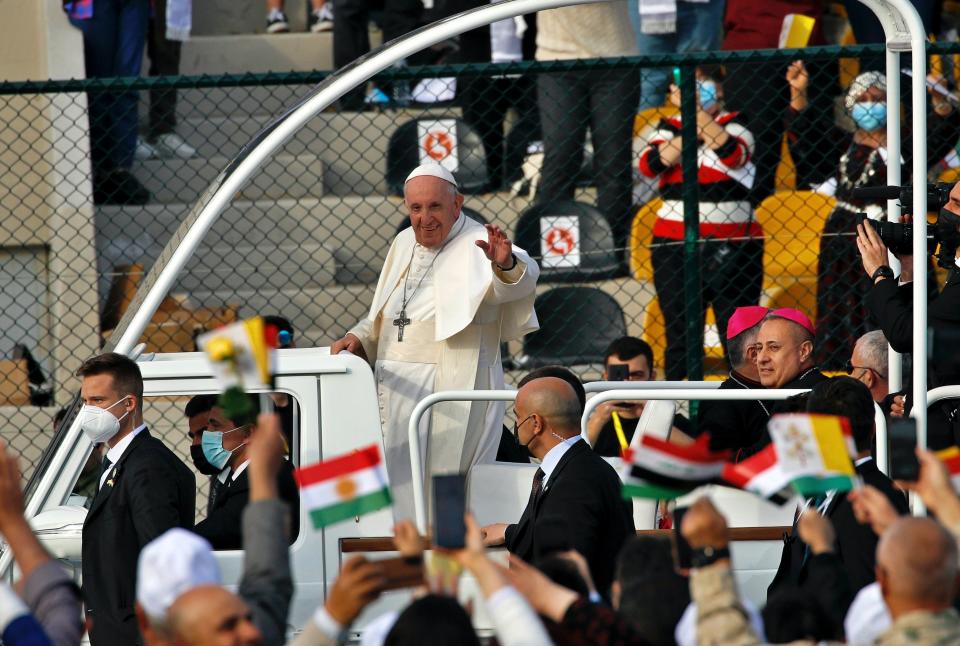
point(99, 424)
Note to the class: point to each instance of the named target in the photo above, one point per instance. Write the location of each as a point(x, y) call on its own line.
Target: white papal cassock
point(459, 314)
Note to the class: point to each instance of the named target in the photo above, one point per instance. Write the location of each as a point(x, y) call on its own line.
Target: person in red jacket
point(731, 247)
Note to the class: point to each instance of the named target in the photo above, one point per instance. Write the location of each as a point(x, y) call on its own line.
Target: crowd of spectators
point(855, 566)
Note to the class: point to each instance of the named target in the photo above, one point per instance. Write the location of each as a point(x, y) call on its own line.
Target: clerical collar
point(746, 382)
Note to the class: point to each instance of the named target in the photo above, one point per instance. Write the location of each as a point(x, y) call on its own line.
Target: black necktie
point(536, 488)
point(105, 464)
point(216, 489)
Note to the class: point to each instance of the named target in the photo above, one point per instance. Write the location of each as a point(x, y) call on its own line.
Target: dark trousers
point(113, 42)
point(351, 37)
point(164, 58)
point(731, 275)
point(606, 103)
point(485, 102)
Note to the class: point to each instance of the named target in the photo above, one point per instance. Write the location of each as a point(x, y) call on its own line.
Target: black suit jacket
point(580, 508)
point(797, 404)
point(856, 545)
point(892, 307)
point(148, 491)
point(735, 424)
point(223, 526)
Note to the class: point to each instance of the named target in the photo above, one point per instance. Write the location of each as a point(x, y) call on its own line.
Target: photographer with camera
point(890, 300)
point(846, 165)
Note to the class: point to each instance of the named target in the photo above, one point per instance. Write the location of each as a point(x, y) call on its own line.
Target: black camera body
point(898, 237)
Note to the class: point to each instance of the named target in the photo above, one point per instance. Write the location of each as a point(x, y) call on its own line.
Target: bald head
point(917, 565)
point(553, 399)
point(211, 615)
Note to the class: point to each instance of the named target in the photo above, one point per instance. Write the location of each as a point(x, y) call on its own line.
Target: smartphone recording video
point(449, 507)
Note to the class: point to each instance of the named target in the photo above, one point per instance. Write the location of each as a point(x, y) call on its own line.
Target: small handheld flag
point(760, 474)
point(241, 356)
point(814, 451)
point(663, 470)
point(345, 486)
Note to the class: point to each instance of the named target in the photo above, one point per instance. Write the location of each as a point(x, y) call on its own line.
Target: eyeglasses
point(850, 368)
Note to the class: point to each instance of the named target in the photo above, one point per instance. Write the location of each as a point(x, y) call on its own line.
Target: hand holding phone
point(901, 449)
point(618, 372)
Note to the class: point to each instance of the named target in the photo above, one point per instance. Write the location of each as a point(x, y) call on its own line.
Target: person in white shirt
point(450, 291)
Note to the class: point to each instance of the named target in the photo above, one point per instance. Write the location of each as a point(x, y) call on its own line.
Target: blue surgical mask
point(708, 94)
point(869, 115)
point(211, 443)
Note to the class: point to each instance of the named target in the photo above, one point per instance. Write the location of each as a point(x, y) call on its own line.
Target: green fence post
point(691, 227)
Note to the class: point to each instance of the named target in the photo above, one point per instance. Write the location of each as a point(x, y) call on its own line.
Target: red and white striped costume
point(725, 176)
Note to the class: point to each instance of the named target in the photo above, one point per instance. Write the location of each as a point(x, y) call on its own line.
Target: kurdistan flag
point(343, 487)
point(814, 451)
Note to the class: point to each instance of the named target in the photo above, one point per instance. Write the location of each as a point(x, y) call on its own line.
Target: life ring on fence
point(560, 241)
point(438, 145)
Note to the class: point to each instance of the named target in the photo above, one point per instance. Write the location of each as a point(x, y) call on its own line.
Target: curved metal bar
point(679, 393)
point(417, 474)
point(602, 386)
point(277, 133)
point(941, 393)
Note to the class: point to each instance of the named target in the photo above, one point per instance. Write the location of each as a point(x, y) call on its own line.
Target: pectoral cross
point(401, 322)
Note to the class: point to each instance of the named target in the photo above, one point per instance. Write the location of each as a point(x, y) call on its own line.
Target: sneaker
point(144, 150)
point(322, 19)
point(172, 145)
point(277, 22)
point(119, 187)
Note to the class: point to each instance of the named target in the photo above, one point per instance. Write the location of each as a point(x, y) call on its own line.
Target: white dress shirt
point(552, 458)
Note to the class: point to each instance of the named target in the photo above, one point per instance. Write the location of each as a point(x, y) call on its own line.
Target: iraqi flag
point(760, 474)
point(663, 470)
point(344, 487)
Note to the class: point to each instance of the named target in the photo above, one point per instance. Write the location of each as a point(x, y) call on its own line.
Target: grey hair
point(873, 348)
point(737, 346)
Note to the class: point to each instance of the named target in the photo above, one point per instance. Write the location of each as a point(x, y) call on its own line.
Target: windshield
point(72, 409)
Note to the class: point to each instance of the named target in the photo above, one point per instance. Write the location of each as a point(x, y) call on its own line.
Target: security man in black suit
point(890, 301)
point(224, 443)
point(856, 544)
point(575, 501)
point(143, 490)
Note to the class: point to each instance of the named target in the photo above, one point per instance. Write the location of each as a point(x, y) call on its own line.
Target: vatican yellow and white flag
point(814, 451)
point(239, 355)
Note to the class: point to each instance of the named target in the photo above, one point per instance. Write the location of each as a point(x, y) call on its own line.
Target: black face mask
point(516, 434)
point(200, 461)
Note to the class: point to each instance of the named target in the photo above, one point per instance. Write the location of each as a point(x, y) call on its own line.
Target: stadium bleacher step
point(353, 145)
point(183, 180)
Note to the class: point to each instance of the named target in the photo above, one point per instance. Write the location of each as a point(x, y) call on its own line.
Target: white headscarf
point(861, 84)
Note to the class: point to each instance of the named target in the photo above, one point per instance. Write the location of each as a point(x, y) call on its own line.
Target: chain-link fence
point(635, 233)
